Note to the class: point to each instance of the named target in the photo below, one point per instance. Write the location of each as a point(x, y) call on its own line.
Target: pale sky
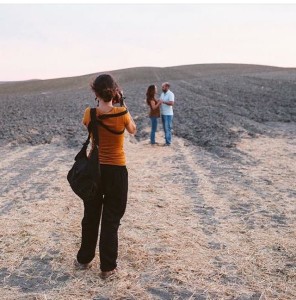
point(48, 41)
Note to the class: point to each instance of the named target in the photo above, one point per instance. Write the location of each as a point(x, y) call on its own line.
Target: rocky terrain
point(215, 104)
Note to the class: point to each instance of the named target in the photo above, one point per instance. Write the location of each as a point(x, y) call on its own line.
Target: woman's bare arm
point(131, 127)
point(155, 106)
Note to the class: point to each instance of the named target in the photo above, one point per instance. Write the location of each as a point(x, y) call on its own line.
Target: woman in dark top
point(154, 113)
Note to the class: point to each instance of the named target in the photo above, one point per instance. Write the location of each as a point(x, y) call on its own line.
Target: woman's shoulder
point(86, 116)
point(87, 109)
point(118, 109)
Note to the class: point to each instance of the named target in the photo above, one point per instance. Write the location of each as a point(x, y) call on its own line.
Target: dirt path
point(197, 226)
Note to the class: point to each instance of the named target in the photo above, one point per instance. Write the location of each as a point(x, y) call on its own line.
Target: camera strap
point(108, 116)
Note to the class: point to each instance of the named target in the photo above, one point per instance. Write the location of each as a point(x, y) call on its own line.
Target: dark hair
point(105, 87)
point(150, 94)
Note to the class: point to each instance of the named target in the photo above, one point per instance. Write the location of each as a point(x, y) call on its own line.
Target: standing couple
point(163, 108)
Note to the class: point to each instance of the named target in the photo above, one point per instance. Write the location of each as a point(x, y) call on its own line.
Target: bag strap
point(93, 125)
point(87, 141)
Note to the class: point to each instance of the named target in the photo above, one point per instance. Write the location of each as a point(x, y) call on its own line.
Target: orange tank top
point(111, 151)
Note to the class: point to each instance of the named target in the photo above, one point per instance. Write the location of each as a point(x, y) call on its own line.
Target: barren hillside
point(215, 104)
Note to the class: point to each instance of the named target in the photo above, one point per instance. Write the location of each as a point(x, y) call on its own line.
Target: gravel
point(215, 104)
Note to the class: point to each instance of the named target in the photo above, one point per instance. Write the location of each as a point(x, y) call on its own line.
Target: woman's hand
point(155, 104)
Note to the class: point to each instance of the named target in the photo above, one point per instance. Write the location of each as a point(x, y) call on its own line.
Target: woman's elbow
point(132, 129)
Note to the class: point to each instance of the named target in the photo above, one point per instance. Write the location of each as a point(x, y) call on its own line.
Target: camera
point(119, 98)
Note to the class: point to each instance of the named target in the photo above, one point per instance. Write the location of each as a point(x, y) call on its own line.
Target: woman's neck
point(105, 106)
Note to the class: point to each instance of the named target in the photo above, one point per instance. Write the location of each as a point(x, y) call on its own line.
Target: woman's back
point(111, 151)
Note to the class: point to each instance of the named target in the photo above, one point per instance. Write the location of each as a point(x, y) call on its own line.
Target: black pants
point(110, 209)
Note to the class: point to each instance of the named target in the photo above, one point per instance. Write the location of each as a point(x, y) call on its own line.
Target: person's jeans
point(167, 122)
point(153, 129)
point(110, 209)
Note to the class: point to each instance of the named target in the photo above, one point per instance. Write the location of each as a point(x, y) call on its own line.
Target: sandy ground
point(197, 226)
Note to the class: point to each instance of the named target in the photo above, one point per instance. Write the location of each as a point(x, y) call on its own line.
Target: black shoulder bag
point(84, 177)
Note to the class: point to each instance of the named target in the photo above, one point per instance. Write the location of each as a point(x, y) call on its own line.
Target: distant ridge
point(140, 74)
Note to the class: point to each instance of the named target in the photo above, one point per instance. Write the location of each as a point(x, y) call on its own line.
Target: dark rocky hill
point(216, 104)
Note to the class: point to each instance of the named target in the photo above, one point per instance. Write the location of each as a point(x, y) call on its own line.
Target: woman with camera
point(114, 179)
point(154, 113)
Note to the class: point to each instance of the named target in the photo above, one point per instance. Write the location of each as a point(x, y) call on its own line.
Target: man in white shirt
point(167, 97)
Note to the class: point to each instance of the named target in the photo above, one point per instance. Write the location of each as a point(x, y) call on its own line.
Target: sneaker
point(108, 274)
point(79, 266)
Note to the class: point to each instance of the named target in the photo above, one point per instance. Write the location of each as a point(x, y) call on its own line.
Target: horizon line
point(138, 67)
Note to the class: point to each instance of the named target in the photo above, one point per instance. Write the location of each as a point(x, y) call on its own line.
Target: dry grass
point(178, 239)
